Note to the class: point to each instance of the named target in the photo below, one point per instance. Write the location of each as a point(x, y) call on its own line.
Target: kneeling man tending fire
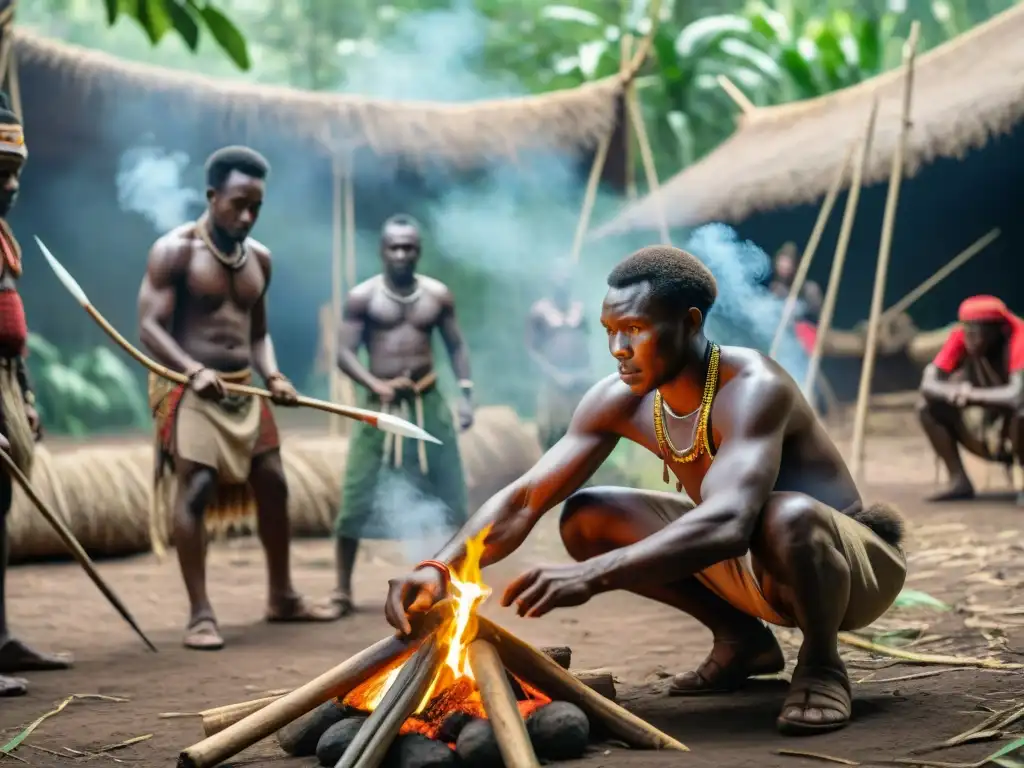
point(779, 534)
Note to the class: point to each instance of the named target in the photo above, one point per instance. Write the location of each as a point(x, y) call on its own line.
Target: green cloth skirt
point(386, 494)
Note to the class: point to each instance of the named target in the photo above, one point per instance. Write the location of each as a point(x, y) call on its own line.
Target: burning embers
point(460, 691)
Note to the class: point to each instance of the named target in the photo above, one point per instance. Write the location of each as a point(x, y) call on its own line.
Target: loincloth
point(398, 488)
point(555, 408)
point(877, 574)
point(224, 436)
point(15, 424)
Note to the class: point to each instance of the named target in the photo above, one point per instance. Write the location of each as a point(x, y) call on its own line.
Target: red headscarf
point(983, 309)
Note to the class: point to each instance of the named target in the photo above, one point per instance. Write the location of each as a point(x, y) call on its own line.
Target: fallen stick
point(219, 718)
point(331, 684)
point(379, 730)
point(924, 658)
point(533, 667)
point(501, 708)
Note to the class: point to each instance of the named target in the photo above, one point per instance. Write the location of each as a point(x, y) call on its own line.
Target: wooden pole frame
point(940, 274)
point(647, 159)
point(828, 305)
point(626, 50)
point(811, 248)
point(739, 97)
point(337, 256)
point(867, 371)
point(590, 195)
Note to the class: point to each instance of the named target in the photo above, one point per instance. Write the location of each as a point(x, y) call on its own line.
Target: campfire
point(461, 691)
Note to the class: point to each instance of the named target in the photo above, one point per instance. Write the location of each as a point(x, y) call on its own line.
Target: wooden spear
point(74, 547)
point(867, 370)
point(811, 248)
point(828, 304)
point(385, 422)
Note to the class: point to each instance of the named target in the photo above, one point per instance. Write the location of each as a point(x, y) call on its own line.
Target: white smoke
point(150, 183)
point(746, 313)
point(403, 512)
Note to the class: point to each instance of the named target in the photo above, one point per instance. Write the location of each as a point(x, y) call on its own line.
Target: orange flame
point(467, 592)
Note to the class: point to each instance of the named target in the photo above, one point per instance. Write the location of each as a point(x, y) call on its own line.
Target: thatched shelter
point(964, 167)
point(84, 109)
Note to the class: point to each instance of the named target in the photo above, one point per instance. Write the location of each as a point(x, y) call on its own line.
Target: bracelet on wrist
point(437, 565)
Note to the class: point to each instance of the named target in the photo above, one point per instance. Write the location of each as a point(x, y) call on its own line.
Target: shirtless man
point(19, 421)
point(394, 315)
point(972, 394)
point(779, 532)
point(557, 340)
point(203, 311)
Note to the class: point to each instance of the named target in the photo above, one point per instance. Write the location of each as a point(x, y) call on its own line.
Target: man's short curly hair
point(678, 280)
point(245, 160)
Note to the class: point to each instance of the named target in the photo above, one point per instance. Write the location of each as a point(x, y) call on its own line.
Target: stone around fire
point(336, 739)
point(559, 731)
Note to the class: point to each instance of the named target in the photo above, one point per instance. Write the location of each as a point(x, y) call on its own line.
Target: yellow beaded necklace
point(701, 441)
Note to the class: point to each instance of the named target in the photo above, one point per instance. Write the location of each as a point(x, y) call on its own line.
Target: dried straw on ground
point(966, 92)
point(90, 82)
point(103, 493)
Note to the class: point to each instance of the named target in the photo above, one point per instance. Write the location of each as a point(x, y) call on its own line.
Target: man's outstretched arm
point(751, 415)
point(568, 464)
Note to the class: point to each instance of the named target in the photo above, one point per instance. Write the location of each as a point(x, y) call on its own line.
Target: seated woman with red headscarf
point(973, 392)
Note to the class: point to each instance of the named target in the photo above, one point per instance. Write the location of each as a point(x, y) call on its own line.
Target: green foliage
point(93, 391)
point(187, 18)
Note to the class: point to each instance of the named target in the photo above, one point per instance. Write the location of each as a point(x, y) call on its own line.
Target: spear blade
point(399, 426)
point(65, 277)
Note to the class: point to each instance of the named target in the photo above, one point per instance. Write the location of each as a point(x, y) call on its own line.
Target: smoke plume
point(403, 512)
point(150, 182)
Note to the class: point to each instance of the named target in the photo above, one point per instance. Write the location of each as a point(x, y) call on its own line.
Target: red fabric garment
point(268, 438)
point(982, 309)
point(13, 328)
point(806, 334)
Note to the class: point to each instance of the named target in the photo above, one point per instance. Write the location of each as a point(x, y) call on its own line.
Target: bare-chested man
point(557, 340)
point(397, 488)
point(19, 421)
point(203, 311)
point(779, 532)
point(972, 394)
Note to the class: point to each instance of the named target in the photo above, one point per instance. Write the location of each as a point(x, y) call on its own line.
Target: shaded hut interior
point(85, 112)
point(964, 171)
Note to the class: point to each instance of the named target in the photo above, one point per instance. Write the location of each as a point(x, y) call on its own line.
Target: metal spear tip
point(390, 423)
point(65, 277)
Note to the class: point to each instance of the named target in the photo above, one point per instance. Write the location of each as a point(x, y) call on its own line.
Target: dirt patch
point(968, 556)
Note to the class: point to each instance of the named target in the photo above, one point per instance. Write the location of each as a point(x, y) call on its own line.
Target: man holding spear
point(19, 421)
point(203, 312)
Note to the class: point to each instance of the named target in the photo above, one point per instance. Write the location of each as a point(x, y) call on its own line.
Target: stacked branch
point(314, 718)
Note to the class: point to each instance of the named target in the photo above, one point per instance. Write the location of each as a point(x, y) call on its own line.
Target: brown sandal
point(824, 690)
point(716, 677)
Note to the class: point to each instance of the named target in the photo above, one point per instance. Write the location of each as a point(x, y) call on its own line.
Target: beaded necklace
point(233, 262)
point(701, 441)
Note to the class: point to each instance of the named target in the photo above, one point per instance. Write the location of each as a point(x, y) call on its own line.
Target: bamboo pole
point(501, 708)
point(533, 667)
point(370, 746)
point(337, 256)
point(14, 84)
point(828, 304)
point(347, 390)
point(867, 371)
point(625, 50)
point(219, 718)
point(739, 97)
point(647, 158)
point(335, 682)
point(590, 195)
point(811, 248)
point(951, 266)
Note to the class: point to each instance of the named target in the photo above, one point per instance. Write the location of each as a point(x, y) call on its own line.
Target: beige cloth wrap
point(19, 433)
point(877, 573)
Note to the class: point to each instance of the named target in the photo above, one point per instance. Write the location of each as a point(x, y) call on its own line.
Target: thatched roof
point(460, 133)
point(965, 92)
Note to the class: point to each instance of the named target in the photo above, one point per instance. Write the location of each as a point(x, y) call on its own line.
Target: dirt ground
point(968, 556)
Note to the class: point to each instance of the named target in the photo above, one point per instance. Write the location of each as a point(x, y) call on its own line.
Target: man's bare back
point(214, 308)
